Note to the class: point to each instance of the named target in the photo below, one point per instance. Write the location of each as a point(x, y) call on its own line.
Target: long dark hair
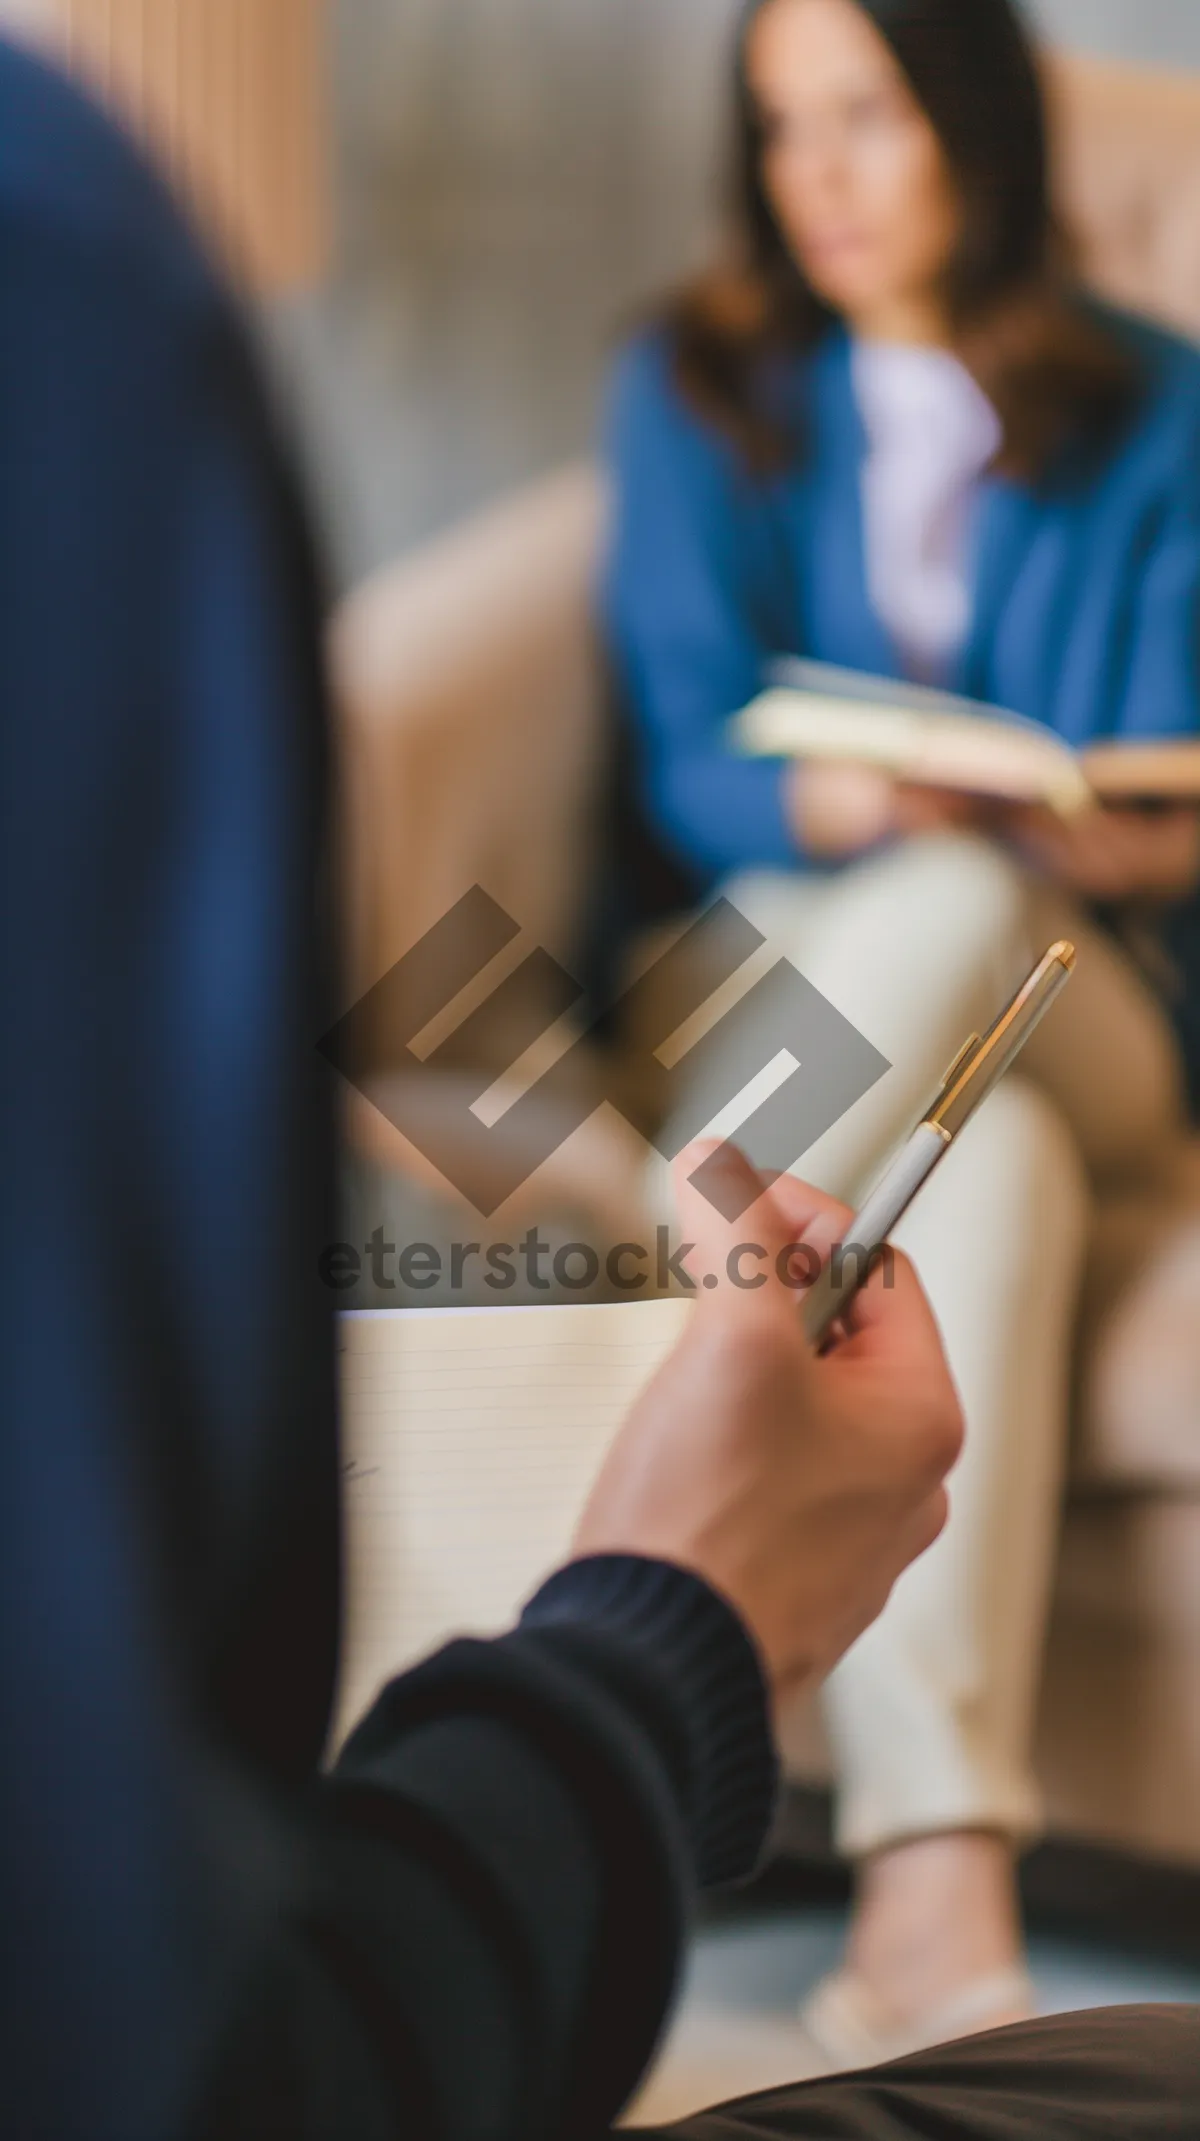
point(1055, 375)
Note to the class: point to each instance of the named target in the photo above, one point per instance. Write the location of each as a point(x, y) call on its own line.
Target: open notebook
point(813, 711)
point(471, 1439)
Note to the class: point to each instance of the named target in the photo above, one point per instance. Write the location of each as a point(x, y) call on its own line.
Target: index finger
point(741, 1262)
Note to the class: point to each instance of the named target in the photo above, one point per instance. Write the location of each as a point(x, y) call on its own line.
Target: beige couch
point(474, 738)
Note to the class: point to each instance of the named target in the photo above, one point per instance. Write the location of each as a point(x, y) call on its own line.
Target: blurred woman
point(890, 434)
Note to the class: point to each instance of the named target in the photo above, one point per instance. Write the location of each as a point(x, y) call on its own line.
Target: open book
point(471, 1441)
point(931, 738)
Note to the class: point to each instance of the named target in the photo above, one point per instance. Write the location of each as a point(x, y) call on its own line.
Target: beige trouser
point(931, 1714)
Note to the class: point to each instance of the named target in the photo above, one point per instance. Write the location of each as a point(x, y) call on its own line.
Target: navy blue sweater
point(471, 1927)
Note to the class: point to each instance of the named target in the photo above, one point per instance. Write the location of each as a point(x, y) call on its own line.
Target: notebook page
point(471, 1439)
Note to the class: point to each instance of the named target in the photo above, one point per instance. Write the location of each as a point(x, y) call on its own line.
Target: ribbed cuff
point(708, 1695)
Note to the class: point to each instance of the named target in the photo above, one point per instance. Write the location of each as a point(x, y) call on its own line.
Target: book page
point(471, 1438)
point(815, 709)
point(976, 752)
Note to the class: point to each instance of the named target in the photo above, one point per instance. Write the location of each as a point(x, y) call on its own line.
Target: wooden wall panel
point(231, 95)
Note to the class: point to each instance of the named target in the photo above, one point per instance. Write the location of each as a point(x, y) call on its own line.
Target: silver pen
point(975, 1072)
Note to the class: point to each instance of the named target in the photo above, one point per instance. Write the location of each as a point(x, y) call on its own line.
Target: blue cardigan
point(1087, 590)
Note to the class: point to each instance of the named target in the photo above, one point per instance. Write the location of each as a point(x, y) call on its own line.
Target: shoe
point(850, 2028)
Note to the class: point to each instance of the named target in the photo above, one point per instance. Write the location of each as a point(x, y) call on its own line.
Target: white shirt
point(931, 433)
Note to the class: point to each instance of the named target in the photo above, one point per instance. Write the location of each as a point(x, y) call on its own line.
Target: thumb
point(740, 1234)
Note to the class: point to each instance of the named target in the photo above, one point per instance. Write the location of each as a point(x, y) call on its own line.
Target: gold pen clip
point(966, 1054)
point(962, 1062)
point(980, 1063)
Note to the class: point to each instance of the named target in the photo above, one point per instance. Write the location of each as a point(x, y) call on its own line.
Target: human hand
point(1111, 855)
point(800, 1488)
point(839, 810)
point(937, 810)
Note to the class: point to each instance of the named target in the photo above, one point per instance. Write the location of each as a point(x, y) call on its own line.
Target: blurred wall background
point(1159, 33)
point(515, 178)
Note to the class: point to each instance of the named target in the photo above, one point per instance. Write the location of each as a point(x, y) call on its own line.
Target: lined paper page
point(471, 1440)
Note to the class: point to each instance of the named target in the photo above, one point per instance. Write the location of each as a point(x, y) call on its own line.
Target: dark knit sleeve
point(689, 1665)
point(561, 1792)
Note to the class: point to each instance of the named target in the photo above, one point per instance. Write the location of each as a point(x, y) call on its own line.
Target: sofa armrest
point(472, 730)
